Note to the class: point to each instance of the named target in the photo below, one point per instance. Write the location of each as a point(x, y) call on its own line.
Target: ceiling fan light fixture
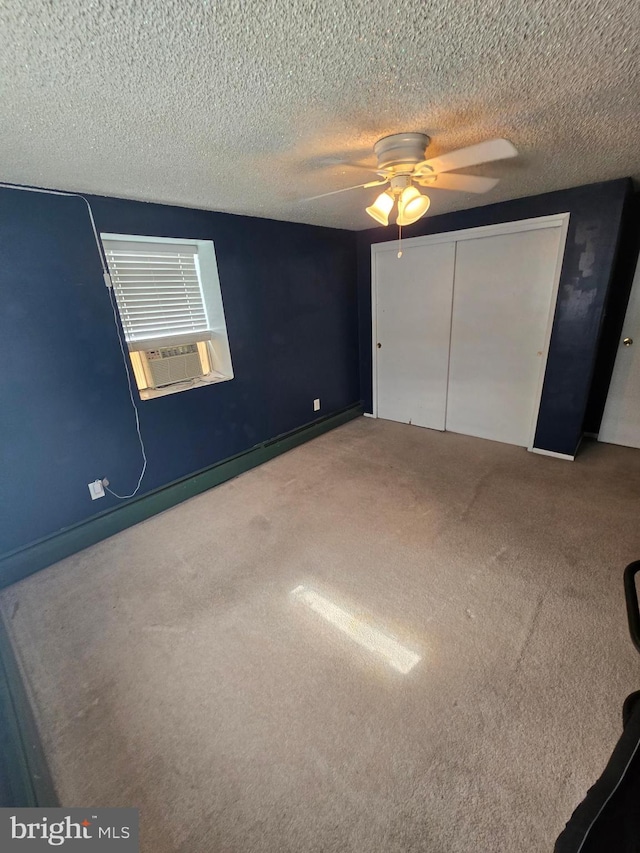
point(381, 208)
point(411, 206)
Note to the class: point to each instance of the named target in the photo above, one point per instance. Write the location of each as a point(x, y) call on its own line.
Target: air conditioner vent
point(168, 365)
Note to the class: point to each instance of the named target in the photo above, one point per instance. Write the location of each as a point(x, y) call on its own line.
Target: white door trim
point(560, 220)
point(552, 453)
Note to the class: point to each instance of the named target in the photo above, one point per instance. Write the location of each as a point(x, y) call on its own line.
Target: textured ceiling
point(249, 106)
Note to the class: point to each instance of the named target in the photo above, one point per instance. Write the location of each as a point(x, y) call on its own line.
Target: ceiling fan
point(402, 165)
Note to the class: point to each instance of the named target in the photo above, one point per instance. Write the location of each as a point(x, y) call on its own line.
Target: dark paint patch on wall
point(594, 228)
point(290, 301)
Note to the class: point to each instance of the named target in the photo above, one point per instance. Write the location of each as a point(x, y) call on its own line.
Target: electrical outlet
point(316, 404)
point(96, 489)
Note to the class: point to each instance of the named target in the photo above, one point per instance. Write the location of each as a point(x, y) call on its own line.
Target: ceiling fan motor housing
point(400, 152)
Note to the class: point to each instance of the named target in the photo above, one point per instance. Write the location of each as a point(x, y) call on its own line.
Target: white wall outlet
point(316, 404)
point(96, 489)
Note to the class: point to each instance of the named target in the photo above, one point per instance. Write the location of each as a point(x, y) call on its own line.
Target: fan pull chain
point(399, 241)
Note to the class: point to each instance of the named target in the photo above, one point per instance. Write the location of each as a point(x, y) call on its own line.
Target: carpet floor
point(172, 669)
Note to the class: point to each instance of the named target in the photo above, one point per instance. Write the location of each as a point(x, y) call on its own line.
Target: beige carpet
point(172, 670)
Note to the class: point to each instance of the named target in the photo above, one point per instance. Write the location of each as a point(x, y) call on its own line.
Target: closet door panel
point(502, 301)
point(413, 323)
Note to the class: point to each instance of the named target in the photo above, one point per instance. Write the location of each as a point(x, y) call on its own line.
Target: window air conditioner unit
point(168, 365)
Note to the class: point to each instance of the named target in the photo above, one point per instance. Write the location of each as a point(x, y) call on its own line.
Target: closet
point(461, 327)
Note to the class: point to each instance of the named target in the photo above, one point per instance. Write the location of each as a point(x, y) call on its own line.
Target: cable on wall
point(107, 281)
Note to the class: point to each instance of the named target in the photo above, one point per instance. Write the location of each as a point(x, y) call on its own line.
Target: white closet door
point(413, 319)
point(621, 419)
point(502, 301)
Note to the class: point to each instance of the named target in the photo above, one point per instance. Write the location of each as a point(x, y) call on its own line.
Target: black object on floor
point(608, 819)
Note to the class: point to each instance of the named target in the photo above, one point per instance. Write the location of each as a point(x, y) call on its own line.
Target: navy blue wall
point(290, 302)
point(594, 228)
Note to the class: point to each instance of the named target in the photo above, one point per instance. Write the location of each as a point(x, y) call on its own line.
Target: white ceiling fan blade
point(461, 183)
point(346, 189)
point(483, 152)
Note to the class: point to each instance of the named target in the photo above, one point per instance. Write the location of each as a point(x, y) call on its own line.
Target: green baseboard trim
point(25, 780)
point(25, 561)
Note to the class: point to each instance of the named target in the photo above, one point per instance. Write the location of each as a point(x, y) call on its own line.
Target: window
point(170, 304)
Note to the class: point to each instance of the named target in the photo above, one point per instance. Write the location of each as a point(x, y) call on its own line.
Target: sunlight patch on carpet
point(358, 629)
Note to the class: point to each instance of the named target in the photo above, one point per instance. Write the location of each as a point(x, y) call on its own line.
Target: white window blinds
point(158, 292)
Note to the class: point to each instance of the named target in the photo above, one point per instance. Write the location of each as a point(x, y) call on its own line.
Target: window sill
point(210, 379)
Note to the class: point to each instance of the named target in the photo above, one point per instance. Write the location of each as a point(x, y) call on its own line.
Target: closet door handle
point(379, 346)
point(626, 342)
